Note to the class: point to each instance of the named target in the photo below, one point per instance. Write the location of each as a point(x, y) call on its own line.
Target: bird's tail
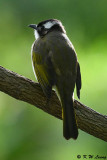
point(70, 129)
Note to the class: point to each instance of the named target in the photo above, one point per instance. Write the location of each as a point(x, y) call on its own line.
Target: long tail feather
point(70, 129)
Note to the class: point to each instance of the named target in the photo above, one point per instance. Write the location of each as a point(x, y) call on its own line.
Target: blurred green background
point(25, 131)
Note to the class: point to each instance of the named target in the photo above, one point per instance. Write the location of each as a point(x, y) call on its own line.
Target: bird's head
point(47, 26)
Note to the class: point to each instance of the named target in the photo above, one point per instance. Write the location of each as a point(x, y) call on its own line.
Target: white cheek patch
point(36, 34)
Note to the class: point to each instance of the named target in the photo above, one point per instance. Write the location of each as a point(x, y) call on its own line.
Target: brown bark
point(26, 90)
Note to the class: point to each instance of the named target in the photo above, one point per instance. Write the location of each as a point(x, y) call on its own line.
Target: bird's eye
point(41, 28)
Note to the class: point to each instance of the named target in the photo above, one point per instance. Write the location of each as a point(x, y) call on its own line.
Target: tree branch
point(26, 90)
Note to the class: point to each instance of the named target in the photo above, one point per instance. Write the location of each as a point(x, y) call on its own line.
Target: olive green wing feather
point(42, 73)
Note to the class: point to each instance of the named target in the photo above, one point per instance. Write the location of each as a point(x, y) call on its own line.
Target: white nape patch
point(36, 34)
point(48, 25)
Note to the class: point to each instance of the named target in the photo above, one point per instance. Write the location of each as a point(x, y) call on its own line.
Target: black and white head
point(47, 26)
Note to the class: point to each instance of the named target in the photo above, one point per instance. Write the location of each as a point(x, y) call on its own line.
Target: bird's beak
point(34, 26)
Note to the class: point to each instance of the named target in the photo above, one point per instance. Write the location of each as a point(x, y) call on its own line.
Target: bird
point(55, 63)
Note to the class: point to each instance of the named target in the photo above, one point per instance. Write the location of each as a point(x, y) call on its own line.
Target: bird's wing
point(78, 81)
point(42, 72)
